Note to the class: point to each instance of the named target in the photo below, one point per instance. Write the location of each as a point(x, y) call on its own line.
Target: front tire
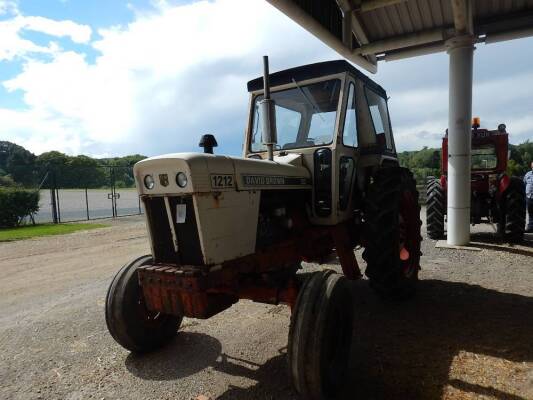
point(320, 336)
point(392, 229)
point(128, 320)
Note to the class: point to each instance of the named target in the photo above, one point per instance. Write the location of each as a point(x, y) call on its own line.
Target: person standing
point(528, 180)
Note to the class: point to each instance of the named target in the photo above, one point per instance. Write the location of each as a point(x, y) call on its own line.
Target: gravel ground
point(467, 335)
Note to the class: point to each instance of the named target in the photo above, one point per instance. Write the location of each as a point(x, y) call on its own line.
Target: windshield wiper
point(309, 101)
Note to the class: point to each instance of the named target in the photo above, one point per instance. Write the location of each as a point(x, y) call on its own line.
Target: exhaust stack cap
point(208, 142)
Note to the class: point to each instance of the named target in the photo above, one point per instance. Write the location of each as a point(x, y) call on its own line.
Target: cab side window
point(380, 118)
point(349, 133)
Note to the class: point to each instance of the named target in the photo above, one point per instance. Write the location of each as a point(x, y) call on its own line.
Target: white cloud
point(176, 72)
point(76, 32)
point(420, 116)
point(12, 45)
point(39, 131)
point(160, 81)
point(8, 7)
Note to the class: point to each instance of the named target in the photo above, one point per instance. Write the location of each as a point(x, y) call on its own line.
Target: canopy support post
point(461, 52)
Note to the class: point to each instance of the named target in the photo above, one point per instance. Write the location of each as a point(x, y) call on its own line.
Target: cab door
point(347, 152)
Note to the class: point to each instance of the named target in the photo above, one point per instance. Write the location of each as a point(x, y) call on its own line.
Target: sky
point(110, 78)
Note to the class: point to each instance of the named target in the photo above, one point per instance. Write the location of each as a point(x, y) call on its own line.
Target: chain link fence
point(87, 194)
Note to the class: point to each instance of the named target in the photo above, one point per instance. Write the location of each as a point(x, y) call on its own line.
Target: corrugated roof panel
point(447, 12)
point(519, 4)
point(493, 20)
point(371, 26)
point(425, 11)
point(326, 12)
point(384, 22)
point(436, 11)
point(405, 17)
point(394, 18)
point(495, 9)
point(416, 16)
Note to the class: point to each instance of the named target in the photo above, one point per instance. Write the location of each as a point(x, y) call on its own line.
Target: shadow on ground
point(491, 241)
point(399, 351)
point(189, 353)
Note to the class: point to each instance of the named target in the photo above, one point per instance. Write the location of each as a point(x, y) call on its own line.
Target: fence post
point(87, 203)
point(58, 205)
point(53, 203)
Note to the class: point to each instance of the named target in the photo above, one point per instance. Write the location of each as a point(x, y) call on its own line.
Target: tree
point(17, 162)
point(84, 172)
point(53, 163)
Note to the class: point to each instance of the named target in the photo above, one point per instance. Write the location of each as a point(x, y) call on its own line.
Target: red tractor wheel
point(392, 222)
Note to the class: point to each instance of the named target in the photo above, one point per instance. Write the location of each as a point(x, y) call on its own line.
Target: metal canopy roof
point(367, 31)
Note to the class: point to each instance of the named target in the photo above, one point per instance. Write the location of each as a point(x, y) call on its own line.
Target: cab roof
point(317, 70)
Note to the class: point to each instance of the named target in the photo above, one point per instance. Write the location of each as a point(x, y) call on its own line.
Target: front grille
point(189, 249)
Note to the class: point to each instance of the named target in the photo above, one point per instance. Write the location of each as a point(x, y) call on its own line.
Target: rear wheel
point(320, 336)
point(435, 209)
point(392, 222)
point(514, 216)
point(128, 320)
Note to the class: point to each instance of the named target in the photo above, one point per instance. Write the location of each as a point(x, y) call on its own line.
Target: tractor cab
point(335, 120)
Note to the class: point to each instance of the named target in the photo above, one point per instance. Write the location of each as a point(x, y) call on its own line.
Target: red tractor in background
point(495, 196)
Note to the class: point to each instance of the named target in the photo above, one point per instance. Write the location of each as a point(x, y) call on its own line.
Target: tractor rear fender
point(507, 183)
point(503, 184)
point(444, 183)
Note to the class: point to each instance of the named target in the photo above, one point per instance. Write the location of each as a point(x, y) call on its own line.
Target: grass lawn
point(30, 231)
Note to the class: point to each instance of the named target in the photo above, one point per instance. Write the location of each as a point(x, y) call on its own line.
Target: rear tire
point(392, 222)
point(435, 210)
point(514, 206)
point(128, 320)
point(320, 336)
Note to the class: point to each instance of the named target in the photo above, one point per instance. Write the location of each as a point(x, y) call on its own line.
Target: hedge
point(15, 204)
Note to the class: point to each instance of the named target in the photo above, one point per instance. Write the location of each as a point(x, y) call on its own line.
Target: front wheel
point(392, 233)
point(320, 336)
point(128, 320)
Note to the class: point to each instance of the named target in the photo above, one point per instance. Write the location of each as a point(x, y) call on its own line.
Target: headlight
point(149, 182)
point(181, 179)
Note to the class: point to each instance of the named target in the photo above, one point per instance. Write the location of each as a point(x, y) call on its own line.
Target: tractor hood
point(209, 172)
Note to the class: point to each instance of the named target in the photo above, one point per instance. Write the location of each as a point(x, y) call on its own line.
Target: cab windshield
point(305, 116)
point(484, 157)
